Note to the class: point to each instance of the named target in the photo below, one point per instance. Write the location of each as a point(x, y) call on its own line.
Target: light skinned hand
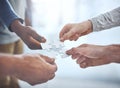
point(74, 31)
point(35, 68)
point(30, 37)
point(87, 55)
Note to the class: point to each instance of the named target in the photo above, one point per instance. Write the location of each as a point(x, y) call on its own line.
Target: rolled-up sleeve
point(107, 20)
point(7, 13)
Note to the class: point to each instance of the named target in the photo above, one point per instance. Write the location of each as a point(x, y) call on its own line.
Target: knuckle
point(67, 25)
point(84, 45)
point(55, 69)
point(52, 76)
point(73, 49)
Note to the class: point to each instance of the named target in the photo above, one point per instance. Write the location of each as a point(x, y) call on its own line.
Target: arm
point(104, 21)
point(94, 55)
point(6, 64)
point(107, 20)
point(34, 68)
point(26, 33)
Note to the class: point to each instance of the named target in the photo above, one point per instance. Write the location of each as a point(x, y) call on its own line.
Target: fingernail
point(61, 39)
point(43, 40)
point(84, 65)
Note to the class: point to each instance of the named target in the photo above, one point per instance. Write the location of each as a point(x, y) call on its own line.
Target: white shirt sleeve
point(107, 20)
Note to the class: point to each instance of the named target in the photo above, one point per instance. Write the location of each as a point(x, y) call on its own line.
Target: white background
point(49, 16)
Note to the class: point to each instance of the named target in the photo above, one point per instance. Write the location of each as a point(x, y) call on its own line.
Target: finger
point(51, 76)
point(75, 37)
point(70, 52)
point(83, 65)
point(35, 35)
point(38, 37)
point(51, 63)
point(68, 35)
point(33, 44)
point(81, 60)
point(74, 52)
point(38, 82)
point(48, 59)
point(52, 68)
point(84, 45)
point(86, 63)
point(65, 29)
point(76, 55)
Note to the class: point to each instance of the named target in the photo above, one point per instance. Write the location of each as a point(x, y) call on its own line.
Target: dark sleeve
point(7, 14)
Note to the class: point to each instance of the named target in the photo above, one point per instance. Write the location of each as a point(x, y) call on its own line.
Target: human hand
point(28, 35)
point(95, 55)
point(35, 68)
point(74, 31)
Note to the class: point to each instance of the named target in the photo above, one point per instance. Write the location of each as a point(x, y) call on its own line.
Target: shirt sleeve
point(7, 14)
point(107, 20)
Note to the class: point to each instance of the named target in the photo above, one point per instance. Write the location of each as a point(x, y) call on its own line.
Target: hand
point(35, 68)
point(74, 31)
point(28, 35)
point(94, 55)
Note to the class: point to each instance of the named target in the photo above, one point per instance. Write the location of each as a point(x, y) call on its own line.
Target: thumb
point(48, 59)
point(36, 36)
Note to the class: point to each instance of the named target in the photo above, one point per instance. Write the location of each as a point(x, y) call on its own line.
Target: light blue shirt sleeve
point(7, 14)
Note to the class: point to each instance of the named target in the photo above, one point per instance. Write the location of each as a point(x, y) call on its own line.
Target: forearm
point(107, 20)
point(6, 64)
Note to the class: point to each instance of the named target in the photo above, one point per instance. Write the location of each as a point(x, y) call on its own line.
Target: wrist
point(16, 26)
point(90, 27)
point(7, 63)
point(18, 63)
point(114, 53)
point(87, 26)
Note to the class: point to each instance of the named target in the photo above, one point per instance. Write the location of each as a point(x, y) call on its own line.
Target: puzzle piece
point(56, 48)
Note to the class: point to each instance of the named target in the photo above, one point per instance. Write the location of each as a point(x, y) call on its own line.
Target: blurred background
point(48, 18)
